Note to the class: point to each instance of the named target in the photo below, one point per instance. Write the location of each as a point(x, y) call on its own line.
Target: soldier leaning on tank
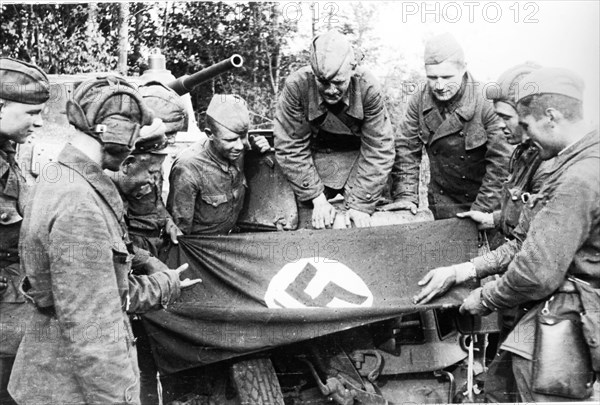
point(76, 254)
point(138, 173)
point(462, 135)
point(333, 105)
point(556, 273)
point(149, 223)
point(23, 93)
point(207, 182)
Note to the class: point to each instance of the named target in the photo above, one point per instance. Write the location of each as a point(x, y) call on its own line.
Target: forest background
point(273, 38)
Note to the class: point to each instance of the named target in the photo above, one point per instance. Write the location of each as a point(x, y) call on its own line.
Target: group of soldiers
point(78, 254)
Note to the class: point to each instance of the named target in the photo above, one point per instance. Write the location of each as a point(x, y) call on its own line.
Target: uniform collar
point(463, 103)
point(91, 171)
point(352, 99)
point(11, 183)
point(214, 155)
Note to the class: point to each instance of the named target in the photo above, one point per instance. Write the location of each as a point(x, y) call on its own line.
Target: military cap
point(548, 80)
point(508, 82)
point(23, 82)
point(110, 109)
point(443, 47)
point(230, 111)
point(153, 139)
point(166, 105)
point(331, 53)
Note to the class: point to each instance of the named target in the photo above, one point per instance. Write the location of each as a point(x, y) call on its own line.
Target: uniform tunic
point(467, 151)
point(78, 347)
point(12, 206)
point(206, 192)
point(563, 239)
point(307, 130)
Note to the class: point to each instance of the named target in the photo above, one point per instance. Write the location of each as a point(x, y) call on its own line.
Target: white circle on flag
point(317, 282)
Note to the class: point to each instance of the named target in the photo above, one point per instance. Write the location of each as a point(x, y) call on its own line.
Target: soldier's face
point(113, 155)
point(140, 174)
point(510, 123)
point(542, 134)
point(444, 79)
point(229, 145)
point(333, 90)
point(19, 120)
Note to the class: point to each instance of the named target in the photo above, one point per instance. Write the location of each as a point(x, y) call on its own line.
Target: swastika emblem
point(317, 283)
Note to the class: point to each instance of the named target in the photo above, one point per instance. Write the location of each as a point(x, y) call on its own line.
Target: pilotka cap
point(230, 111)
point(23, 82)
point(331, 53)
point(442, 48)
point(166, 105)
point(550, 80)
point(505, 88)
point(153, 139)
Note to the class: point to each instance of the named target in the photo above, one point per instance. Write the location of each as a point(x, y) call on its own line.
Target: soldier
point(76, 254)
point(207, 183)
point(528, 173)
point(527, 176)
point(23, 93)
point(149, 222)
point(137, 178)
point(462, 135)
point(556, 273)
point(334, 106)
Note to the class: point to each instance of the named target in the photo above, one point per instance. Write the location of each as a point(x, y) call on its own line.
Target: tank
point(418, 357)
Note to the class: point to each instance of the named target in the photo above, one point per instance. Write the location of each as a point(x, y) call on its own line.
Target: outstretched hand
point(186, 282)
point(435, 283)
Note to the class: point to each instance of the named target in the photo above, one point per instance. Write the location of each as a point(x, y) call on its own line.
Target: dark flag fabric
point(262, 290)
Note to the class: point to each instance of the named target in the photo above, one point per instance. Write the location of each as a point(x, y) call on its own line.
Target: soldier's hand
point(186, 282)
point(484, 220)
point(173, 231)
point(260, 143)
point(437, 282)
point(3, 284)
point(360, 219)
point(473, 304)
point(323, 213)
point(399, 205)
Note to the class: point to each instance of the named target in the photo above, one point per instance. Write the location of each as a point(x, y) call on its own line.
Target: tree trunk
point(123, 37)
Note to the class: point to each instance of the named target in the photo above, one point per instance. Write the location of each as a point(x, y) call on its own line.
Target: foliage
point(81, 38)
point(57, 38)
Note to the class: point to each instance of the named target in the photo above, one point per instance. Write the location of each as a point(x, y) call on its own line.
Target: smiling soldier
point(207, 179)
point(334, 106)
point(462, 135)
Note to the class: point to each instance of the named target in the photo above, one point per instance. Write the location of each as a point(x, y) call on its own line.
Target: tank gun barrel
point(186, 83)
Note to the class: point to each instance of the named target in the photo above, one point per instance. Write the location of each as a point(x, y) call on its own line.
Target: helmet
point(108, 109)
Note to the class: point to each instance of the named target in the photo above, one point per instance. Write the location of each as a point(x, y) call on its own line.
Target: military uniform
point(468, 155)
point(207, 192)
point(556, 273)
point(81, 348)
point(147, 215)
point(14, 313)
point(307, 131)
point(564, 239)
point(25, 84)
